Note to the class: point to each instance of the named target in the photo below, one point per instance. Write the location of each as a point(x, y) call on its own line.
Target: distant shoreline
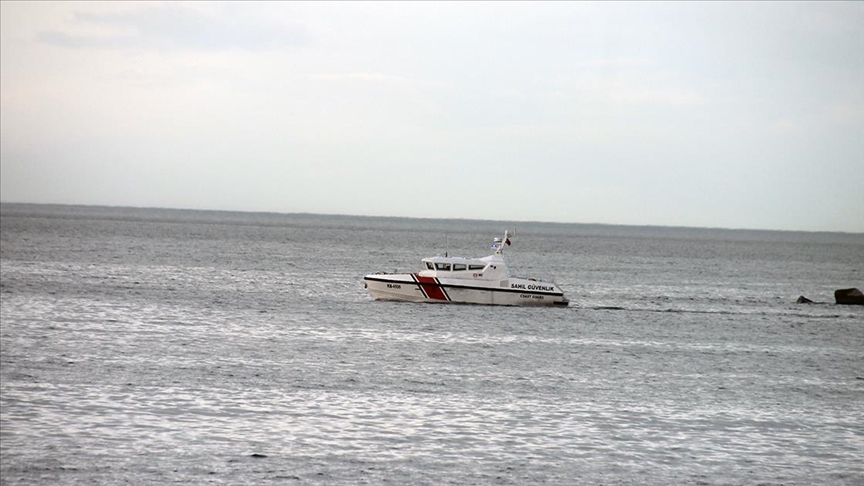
point(115, 212)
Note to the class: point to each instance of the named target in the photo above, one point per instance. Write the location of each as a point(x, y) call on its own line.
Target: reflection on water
point(207, 351)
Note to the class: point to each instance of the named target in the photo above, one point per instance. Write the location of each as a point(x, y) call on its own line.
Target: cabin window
point(459, 267)
point(429, 266)
point(476, 267)
point(442, 266)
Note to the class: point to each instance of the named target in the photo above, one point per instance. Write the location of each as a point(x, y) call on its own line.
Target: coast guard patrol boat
point(466, 280)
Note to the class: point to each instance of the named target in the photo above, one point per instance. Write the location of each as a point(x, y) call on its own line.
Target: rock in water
point(849, 297)
point(803, 300)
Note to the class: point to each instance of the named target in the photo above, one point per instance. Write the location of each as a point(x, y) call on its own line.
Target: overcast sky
point(741, 115)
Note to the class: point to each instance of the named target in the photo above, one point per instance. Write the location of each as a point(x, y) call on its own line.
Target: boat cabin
point(488, 268)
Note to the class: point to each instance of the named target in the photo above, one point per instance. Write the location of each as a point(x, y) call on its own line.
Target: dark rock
point(803, 300)
point(849, 297)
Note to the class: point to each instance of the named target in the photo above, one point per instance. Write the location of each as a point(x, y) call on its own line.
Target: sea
point(161, 346)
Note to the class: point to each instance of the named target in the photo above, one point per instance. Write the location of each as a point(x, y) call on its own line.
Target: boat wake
point(717, 312)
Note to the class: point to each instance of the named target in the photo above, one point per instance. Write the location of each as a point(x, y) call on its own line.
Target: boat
point(449, 279)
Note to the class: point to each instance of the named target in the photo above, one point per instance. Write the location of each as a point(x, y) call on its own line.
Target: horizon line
point(306, 213)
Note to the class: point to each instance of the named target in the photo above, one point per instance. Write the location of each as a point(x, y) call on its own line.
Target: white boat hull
point(412, 287)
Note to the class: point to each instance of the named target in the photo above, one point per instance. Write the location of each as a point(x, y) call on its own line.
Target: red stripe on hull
point(431, 288)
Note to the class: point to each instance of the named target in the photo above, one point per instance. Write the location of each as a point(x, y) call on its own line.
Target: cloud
point(670, 97)
point(174, 26)
point(373, 78)
point(617, 62)
point(830, 117)
point(625, 89)
point(252, 93)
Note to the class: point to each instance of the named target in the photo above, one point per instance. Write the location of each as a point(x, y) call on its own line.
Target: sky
point(701, 114)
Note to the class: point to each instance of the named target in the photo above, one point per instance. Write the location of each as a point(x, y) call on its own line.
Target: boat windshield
point(442, 266)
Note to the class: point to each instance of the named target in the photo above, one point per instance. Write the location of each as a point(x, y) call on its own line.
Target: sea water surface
point(154, 346)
